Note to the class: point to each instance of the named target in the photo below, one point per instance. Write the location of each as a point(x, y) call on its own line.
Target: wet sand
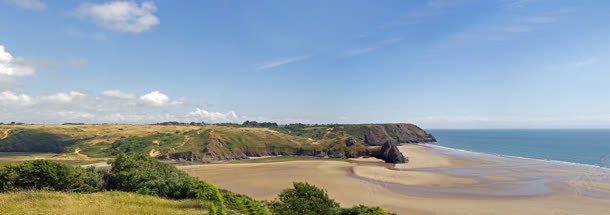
point(433, 182)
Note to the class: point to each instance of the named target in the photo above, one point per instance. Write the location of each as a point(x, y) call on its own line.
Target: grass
point(7, 158)
point(43, 202)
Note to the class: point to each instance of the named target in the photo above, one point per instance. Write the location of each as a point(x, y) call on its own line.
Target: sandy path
point(354, 182)
point(5, 134)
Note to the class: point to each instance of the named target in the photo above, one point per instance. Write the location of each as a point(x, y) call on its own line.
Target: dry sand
point(367, 181)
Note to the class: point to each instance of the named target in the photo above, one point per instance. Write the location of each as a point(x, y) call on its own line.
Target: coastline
point(460, 182)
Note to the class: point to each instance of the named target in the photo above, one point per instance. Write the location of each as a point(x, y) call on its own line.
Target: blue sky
point(439, 64)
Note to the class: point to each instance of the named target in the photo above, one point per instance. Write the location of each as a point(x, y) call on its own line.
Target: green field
point(45, 202)
point(18, 157)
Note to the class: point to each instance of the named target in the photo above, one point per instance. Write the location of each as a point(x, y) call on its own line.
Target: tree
point(304, 198)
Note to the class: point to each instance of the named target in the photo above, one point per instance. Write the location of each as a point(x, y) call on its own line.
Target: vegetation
point(205, 143)
point(28, 140)
point(136, 173)
point(7, 158)
point(108, 202)
point(304, 198)
point(48, 175)
point(145, 176)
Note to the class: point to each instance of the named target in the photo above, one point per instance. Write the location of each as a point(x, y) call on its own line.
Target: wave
point(519, 157)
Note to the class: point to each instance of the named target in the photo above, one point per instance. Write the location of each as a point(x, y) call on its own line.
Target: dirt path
point(6, 133)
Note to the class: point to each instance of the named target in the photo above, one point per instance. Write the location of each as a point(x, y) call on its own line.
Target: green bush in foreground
point(363, 210)
point(142, 174)
point(48, 175)
point(304, 198)
point(243, 204)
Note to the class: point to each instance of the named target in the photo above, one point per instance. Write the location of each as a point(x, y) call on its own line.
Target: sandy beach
point(433, 182)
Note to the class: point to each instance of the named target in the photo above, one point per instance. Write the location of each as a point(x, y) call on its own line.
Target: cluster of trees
point(181, 123)
point(144, 175)
point(249, 123)
point(12, 123)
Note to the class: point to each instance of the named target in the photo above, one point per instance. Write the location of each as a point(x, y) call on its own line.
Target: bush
point(48, 175)
point(145, 175)
point(242, 204)
point(304, 198)
point(363, 210)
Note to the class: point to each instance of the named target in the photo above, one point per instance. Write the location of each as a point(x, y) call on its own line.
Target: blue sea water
point(582, 146)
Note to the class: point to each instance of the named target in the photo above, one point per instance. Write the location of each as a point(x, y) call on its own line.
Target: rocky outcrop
point(390, 154)
point(378, 134)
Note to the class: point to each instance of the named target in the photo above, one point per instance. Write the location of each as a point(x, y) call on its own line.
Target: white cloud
point(125, 16)
point(281, 61)
point(111, 106)
point(11, 66)
point(118, 94)
point(230, 116)
point(28, 4)
point(11, 98)
point(159, 99)
point(63, 98)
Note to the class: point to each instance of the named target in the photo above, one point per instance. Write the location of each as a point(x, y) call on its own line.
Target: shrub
point(48, 175)
point(242, 204)
point(363, 210)
point(304, 198)
point(145, 175)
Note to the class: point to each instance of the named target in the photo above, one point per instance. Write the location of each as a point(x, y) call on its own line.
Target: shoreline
point(477, 184)
point(463, 152)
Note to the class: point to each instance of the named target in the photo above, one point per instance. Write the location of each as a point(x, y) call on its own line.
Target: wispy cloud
point(378, 45)
point(281, 61)
point(580, 63)
point(28, 4)
point(539, 19)
point(519, 3)
point(515, 28)
point(360, 51)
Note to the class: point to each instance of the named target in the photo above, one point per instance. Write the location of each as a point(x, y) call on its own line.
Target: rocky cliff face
point(378, 134)
point(390, 154)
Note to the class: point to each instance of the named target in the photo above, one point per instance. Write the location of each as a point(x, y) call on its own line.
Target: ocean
point(577, 146)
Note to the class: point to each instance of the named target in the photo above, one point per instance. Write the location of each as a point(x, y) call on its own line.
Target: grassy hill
point(45, 202)
point(209, 142)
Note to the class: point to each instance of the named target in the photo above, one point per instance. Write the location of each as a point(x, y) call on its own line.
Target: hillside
point(209, 142)
point(45, 202)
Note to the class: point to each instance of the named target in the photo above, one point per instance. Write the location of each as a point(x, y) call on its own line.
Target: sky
point(435, 63)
